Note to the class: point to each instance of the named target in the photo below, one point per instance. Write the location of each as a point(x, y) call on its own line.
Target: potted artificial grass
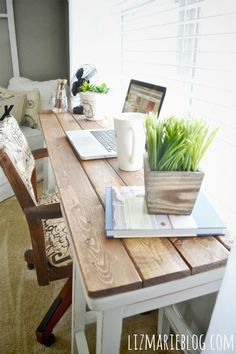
point(175, 148)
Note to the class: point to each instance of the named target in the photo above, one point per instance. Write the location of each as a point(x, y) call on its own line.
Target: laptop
point(91, 144)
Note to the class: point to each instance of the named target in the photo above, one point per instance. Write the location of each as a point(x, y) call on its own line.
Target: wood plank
point(87, 124)
point(227, 240)
point(201, 253)
point(163, 262)
point(156, 260)
point(67, 121)
point(99, 259)
point(195, 253)
point(101, 175)
point(130, 178)
point(70, 121)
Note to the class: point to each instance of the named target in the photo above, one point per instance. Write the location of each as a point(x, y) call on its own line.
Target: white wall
point(42, 40)
point(90, 44)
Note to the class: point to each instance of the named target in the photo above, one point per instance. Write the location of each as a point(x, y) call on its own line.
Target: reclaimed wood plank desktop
point(117, 269)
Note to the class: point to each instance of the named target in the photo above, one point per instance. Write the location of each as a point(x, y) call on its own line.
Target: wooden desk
point(119, 278)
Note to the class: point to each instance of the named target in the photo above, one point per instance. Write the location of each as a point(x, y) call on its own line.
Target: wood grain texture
point(40, 153)
point(113, 266)
point(99, 259)
point(130, 178)
point(201, 253)
point(156, 260)
point(106, 123)
point(226, 240)
point(49, 211)
point(86, 124)
point(171, 192)
point(101, 175)
point(67, 121)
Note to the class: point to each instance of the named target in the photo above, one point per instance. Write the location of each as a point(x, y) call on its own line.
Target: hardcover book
point(127, 216)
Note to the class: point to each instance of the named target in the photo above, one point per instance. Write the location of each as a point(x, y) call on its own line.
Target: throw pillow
point(30, 118)
point(46, 89)
point(7, 98)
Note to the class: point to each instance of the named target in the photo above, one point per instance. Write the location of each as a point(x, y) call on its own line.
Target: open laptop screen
point(144, 97)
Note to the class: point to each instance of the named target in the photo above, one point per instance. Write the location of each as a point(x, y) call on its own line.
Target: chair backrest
point(14, 146)
point(18, 165)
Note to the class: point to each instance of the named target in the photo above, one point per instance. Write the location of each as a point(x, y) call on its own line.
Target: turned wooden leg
point(56, 311)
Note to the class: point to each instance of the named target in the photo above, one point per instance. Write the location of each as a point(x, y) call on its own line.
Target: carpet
point(23, 303)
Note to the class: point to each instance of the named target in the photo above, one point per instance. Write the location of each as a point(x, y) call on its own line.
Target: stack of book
point(127, 216)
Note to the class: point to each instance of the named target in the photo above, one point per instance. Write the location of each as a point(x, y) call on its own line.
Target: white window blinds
point(189, 46)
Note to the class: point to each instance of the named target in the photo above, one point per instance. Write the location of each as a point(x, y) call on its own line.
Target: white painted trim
point(90, 317)
point(81, 343)
point(112, 309)
point(179, 326)
point(171, 298)
point(12, 37)
point(109, 328)
point(78, 315)
point(163, 325)
point(189, 283)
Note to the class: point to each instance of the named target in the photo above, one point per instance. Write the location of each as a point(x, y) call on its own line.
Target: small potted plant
point(92, 99)
point(175, 148)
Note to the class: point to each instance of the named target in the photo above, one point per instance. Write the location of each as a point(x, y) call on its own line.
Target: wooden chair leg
point(56, 311)
point(29, 258)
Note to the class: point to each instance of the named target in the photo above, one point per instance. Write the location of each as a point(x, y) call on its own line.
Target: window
point(189, 46)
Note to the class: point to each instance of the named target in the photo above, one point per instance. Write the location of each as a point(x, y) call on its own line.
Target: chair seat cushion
point(56, 241)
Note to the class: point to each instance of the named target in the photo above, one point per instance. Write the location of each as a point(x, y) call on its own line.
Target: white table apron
point(111, 310)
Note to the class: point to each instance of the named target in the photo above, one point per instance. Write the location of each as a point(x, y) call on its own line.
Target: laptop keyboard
point(106, 138)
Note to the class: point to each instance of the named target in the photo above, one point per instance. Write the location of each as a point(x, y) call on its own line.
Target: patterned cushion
point(18, 101)
point(31, 109)
point(14, 142)
point(57, 244)
point(31, 117)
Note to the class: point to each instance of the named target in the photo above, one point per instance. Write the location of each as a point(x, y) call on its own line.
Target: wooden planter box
point(171, 192)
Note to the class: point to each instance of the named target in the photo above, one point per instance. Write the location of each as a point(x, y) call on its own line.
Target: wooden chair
point(50, 253)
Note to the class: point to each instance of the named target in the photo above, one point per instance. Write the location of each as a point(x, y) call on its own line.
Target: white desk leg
point(163, 325)
point(109, 328)
point(78, 317)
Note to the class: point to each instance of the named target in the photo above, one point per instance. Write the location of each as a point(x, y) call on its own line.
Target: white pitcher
point(130, 140)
